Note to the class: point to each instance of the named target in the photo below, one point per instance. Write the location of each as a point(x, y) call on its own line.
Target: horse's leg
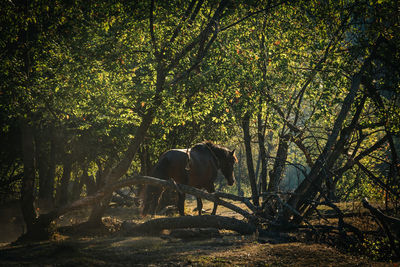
point(211, 189)
point(199, 205)
point(214, 211)
point(181, 204)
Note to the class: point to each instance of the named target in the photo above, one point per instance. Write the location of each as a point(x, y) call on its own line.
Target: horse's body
point(197, 167)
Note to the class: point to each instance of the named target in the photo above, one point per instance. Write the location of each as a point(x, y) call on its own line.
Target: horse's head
point(227, 167)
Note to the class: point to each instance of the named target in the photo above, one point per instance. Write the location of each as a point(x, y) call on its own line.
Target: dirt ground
point(226, 249)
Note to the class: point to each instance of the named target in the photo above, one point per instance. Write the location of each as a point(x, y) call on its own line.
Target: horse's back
point(198, 169)
point(172, 164)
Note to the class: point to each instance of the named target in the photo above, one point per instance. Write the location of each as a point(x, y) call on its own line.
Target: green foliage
point(88, 70)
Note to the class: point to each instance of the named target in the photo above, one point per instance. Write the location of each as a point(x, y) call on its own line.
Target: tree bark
point(263, 153)
point(279, 164)
point(62, 192)
point(51, 170)
point(239, 176)
point(45, 163)
point(145, 163)
point(42, 160)
point(249, 158)
point(28, 181)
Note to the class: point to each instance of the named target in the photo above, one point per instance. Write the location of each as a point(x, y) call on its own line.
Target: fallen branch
point(342, 225)
point(295, 212)
point(390, 225)
point(245, 200)
point(186, 189)
point(46, 219)
point(205, 221)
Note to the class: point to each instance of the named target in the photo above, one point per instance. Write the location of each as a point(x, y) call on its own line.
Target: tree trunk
point(249, 157)
point(263, 154)
point(123, 166)
point(89, 182)
point(28, 181)
point(62, 192)
point(145, 163)
point(46, 164)
point(51, 171)
point(279, 164)
point(239, 176)
point(42, 158)
point(77, 188)
point(325, 174)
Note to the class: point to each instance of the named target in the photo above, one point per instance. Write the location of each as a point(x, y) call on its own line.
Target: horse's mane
point(220, 151)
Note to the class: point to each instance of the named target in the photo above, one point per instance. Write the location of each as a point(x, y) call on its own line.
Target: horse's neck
point(217, 154)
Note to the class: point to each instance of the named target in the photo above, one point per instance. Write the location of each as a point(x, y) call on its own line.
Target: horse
point(197, 167)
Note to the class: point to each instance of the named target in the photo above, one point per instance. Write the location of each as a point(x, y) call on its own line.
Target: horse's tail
point(151, 194)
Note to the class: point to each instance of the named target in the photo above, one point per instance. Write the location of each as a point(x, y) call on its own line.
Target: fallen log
point(155, 226)
point(183, 188)
point(44, 220)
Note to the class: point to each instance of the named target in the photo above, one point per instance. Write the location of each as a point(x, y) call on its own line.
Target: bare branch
point(184, 18)
point(376, 180)
point(202, 37)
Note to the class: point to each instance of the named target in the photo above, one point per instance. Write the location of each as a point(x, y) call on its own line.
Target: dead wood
point(44, 220)
point(205, 221)
point(342, 225)
point(185, 189)
point(245, 200)
point(198, 233)
point(390, 225)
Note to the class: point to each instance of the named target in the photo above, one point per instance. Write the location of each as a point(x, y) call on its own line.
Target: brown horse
point(197, 167)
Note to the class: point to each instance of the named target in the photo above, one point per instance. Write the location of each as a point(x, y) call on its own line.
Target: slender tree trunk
point(257, 171)
point(270, 147)
point(263, 153)
point(28, 181)
point(239, 176)
point(145, 163)
point(42, 158)
point(279, 164)
point(62, 192)
point(45, 158)
point(51, 171)
point(76, 188)
point(249, 157)
point(89, 182)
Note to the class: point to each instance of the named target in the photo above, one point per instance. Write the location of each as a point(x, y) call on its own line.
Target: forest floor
point(109, 247)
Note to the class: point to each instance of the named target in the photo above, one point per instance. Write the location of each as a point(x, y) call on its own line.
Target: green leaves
point(91, 68)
